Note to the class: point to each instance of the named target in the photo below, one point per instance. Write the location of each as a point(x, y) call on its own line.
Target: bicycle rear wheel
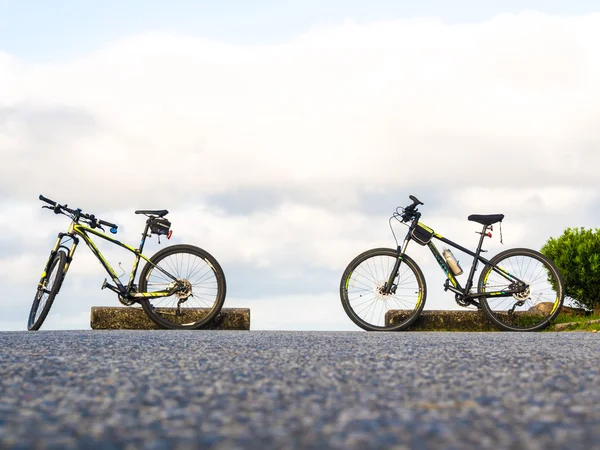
point(48, 287)
point(532, 309)
point(362, 297)
point(205, 287)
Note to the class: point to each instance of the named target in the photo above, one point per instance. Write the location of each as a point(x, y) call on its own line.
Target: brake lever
point(95, 223)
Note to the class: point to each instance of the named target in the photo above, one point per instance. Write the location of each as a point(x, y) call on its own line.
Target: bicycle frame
point(128, 291)
point(451, 278)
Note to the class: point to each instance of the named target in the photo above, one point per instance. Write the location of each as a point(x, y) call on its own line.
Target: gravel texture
point(344, 390)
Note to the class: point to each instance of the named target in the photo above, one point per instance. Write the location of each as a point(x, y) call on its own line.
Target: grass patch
point(579, 322)
point(566, 318)
point(584, 327)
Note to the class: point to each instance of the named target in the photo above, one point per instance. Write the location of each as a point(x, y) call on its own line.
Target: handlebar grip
point(47, 200)
point(415, 200)
point(108, 224)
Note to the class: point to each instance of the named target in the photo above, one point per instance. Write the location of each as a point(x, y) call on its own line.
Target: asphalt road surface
point(344, 390)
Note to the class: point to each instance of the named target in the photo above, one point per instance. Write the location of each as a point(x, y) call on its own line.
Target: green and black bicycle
point(384, 289)
point(180, 287)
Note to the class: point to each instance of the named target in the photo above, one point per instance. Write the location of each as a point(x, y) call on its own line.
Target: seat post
point(144, 236)
point(469, 282)
point(483, 230)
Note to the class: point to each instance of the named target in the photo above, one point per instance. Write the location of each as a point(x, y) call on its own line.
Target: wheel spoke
point(533, 308)
point(202, 288)
point(365, 300)
point(45, 294)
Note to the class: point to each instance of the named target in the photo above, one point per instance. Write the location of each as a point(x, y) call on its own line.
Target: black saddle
point(486, 219)
point(153, 212)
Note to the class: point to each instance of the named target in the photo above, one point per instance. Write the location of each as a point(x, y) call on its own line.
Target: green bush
point(577, 255)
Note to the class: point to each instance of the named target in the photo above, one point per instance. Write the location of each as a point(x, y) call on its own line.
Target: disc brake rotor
point(522, 296)
point(185, 289)
point(379, 291)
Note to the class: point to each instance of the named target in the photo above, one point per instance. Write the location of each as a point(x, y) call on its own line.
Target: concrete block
point(466, 320)
point(134, 318)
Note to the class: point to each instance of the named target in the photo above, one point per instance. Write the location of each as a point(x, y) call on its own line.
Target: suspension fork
point(390, 287)
point(49, 261)
point(59, 244)
point(71, 251)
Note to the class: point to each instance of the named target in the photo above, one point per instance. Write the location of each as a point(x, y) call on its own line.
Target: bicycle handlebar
point(416, 201)
point(94, 222)
point(47, 200)
point(410, 211)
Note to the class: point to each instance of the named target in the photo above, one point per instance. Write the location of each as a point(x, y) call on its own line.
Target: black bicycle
point(181, 286)
point(384, 289)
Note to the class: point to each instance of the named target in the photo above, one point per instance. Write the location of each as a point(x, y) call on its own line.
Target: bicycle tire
point(49, 285)
point(375, 266)
point(207, 287)
point(545, 283)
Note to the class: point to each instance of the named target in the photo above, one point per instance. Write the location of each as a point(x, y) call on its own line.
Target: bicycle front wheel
point(535, 307)
point(48, 287)
point(363, 299)
point(203, 278)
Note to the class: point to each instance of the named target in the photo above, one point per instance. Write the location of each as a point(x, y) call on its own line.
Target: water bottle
point(452, 262)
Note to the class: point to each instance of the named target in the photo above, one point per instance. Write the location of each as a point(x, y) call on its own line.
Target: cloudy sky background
point(282, 135)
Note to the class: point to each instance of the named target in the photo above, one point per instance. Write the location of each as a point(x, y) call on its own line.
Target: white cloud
point(499, 116)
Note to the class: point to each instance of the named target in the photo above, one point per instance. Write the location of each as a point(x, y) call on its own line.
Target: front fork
point(390, 287)
point(58, 245)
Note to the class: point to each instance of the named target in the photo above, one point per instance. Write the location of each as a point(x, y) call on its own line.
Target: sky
point(281, 135)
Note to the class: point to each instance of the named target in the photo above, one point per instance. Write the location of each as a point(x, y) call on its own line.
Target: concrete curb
point(446, 321)
point(464, 320)
point(122, 318)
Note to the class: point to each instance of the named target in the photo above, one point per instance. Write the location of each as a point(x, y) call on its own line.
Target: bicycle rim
point(45, 294)
point(362, 291)
point(202, 275)
point(532, 309)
